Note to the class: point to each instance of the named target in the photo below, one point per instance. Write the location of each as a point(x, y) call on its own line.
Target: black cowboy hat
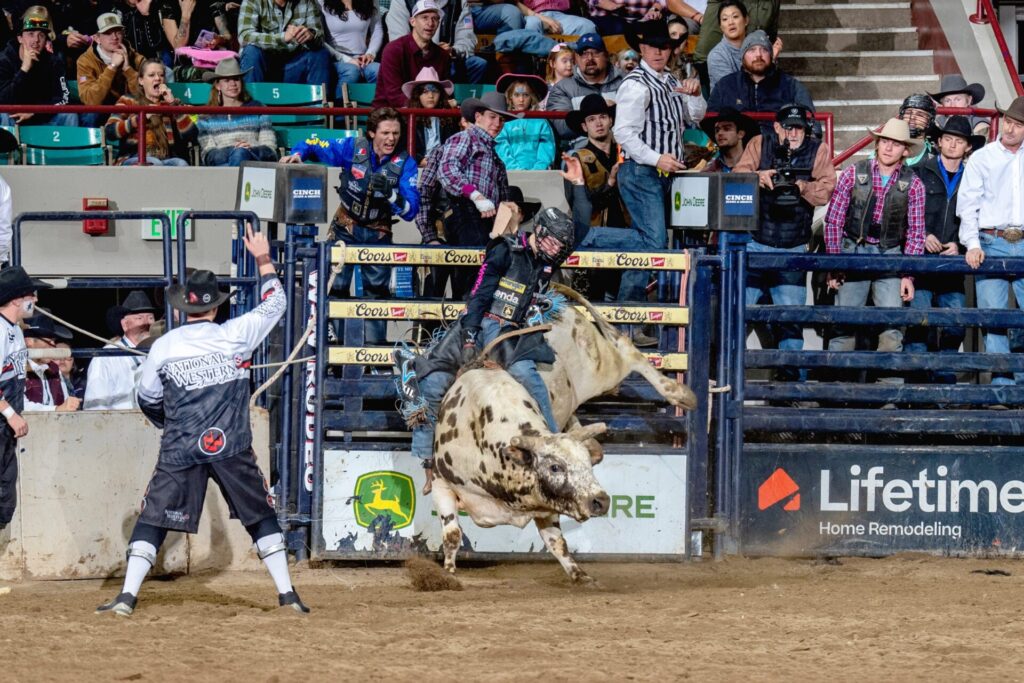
point(653, 33)
point(591, 105)
point(15, 282)
point(961, 127)
point(42, 327)
point(742, 121)
point(529, 209)
point(954, 84)
point(135, 302)
point(198, 295)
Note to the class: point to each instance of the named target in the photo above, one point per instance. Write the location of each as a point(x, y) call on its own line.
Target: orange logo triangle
point(776, 488)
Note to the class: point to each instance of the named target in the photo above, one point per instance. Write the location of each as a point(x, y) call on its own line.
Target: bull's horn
point(589, 432)
point(526, 442)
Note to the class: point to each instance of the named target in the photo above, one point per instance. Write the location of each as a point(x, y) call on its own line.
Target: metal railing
point(985, 13)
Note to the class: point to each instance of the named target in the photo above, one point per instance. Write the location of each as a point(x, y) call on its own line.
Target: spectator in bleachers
point(429, 92)
point(73, 21)
point(147, 32)
point(730, 130)
point(941, 175)
point(877, 208)
point(760, 85)
point(495, 16)
point(560, 64)
point(474, 178)
point(108, 70)
point(594, 74)
point(553, 16)
point(786, 210)
point(452, 32)
point(727, 57)
point(404, 58)
point(231, 139)
point(525, 144)
point(113, 380)
point(185, 20)
point(74, 377)
point(167, 135)
point(30, 74)
point(613, 16)
point(599, 159)
point(283, 41)
point(45, 390)
point(354, 34)
point(918, 111)
point(628, 60)
point(954, 91)
point(376, 184)
point(763, 15)
point(991, 210)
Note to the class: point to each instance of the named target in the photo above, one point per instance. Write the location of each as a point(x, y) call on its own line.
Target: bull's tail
point(603, 326)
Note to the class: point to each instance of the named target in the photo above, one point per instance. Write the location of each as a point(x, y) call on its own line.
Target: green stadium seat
point(289, 137)
point(357, 95)
point(291, 95)
point(463, 91)
point(196, 94)
point(63, 146)
point(73, 91)
point(10, 157)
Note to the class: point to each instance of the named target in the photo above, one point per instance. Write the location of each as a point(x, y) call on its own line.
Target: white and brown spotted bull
point(495, 457)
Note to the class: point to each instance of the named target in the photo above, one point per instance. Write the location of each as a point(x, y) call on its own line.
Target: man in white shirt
point(991, 210)
point(111, 383)
point(653, 107)
point(8, 143)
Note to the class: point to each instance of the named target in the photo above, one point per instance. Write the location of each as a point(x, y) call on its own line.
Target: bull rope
point(481, 361)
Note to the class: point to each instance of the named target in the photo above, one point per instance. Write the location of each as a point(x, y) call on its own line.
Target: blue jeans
point(434, 386)
point(940, 291)
point(48, 120)
point(376, 279)
point(153, 161)
point(496, 18)
point(302, 66)
point(994, 292)
point(571, 25)
point(884, 292)
point(234, 156)
point(527, 41)
point(350, 73)
point(785, 289)
point(476, 70)
point(646, 195)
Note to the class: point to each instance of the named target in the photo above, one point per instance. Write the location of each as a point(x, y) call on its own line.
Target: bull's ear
point(595, 449)
point(520, 456)
point(589, 432)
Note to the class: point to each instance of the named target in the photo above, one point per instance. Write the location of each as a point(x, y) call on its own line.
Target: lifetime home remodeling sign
point(372, 507)
point(865, 501)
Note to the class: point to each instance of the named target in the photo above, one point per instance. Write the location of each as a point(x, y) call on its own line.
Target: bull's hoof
point(450, 568)
point(581, 578)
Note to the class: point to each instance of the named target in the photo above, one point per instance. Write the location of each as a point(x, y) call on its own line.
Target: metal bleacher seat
point(63, 146)
point(292, 95)
point(289, 137)
point(196, 94)
point(464, 91)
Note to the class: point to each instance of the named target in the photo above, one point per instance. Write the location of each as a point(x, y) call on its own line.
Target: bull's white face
point(564, 468)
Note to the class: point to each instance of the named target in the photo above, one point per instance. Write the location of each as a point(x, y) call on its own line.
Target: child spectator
point(525, 144)
point(426, 92)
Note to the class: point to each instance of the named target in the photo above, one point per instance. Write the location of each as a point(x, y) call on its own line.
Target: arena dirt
point(903, 618)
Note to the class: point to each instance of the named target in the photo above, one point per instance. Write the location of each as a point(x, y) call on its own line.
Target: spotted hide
point(495, 458)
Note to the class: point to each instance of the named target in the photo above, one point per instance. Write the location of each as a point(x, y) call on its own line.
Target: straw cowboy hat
point(226, 68)
point(427, 75)
point(897, 130)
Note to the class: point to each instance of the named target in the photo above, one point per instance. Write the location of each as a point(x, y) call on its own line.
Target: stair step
point(855, 111)
point(849, 14)
point(857, 87)
point(865, 63)
point(849, 39)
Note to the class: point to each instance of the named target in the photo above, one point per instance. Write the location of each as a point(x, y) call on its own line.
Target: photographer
point(795, 174)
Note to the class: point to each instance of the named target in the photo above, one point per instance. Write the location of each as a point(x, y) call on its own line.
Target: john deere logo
point(385, 493)
point(248, 191)
point(678, 200)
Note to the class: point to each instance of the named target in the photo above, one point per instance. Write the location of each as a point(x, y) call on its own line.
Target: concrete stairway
point(858, 59)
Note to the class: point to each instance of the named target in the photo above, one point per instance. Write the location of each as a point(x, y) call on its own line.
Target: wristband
point(8, 412)
point(262, 259)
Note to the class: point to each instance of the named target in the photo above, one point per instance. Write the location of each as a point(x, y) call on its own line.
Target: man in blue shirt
point(377, 183)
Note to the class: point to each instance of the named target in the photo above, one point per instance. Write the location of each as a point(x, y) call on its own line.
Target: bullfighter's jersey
point(15, 358)
point(195, 382)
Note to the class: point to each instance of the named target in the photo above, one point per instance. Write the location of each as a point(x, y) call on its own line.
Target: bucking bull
point(495, 457)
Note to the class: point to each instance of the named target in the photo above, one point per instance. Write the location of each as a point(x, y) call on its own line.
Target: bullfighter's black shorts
point(175, 496)
point(8, 475)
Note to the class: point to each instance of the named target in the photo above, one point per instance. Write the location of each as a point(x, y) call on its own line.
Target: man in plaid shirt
point(877, 208)
point(283, 41)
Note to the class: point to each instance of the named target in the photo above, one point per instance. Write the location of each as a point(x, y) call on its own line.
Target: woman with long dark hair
point(428, 91)
point(353, 33)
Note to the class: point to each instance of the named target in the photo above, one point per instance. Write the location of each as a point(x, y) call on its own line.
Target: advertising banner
point(870, 501)
point(372, 508)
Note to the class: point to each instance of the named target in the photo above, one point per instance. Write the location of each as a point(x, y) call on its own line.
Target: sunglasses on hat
point(430, 87)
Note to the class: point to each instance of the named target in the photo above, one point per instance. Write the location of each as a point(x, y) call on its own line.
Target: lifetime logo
point(777, 488)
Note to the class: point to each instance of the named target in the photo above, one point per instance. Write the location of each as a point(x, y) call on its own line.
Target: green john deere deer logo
point(385, 493)
point(248, 191)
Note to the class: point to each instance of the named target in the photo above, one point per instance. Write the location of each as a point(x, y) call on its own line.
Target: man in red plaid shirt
point(877, 208)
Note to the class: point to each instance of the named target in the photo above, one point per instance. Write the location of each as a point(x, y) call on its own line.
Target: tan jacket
point(99, 85)
point(816, 191)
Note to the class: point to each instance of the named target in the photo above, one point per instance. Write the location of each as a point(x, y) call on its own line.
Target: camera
point(786, 192)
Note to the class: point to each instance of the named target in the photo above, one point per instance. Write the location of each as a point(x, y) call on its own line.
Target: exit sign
point(152, 229)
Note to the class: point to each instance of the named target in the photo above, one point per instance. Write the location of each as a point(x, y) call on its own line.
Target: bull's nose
point(599, 504)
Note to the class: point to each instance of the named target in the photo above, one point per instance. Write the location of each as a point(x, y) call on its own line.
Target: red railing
point(986, 14)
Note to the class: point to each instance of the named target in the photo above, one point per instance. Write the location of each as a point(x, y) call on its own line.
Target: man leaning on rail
point(991, 210)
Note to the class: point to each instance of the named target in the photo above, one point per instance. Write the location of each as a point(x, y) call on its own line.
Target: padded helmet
point(924, 103)
point(552, 222)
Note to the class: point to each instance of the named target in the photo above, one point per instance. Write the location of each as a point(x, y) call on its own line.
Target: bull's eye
point(555, 469)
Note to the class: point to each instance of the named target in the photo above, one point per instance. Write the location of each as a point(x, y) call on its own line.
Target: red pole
point(141, 131)
point(410, 129)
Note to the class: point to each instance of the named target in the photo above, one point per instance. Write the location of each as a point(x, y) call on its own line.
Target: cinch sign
point(739, 199)
point(860, 501)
